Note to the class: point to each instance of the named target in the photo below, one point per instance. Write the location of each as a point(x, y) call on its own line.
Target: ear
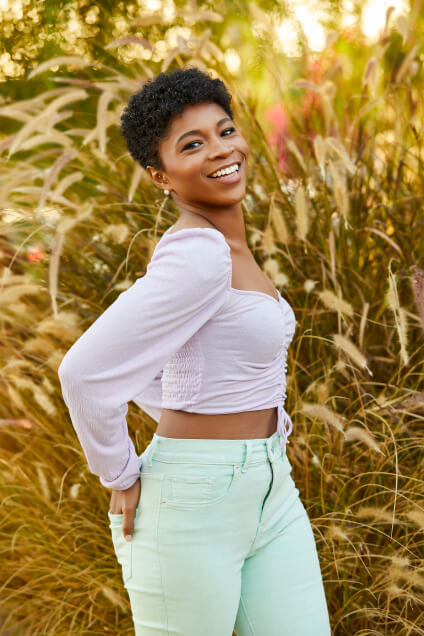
point(159, 178)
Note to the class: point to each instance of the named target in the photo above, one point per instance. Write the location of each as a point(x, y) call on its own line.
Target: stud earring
point(166, 192)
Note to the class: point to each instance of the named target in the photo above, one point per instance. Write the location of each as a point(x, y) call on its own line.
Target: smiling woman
point(221, 540)
point(196, 171)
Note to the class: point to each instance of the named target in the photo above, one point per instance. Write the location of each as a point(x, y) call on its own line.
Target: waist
point(212, 451)
point(246, 425)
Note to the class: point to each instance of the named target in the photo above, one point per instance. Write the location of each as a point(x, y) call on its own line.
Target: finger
point(128, 524)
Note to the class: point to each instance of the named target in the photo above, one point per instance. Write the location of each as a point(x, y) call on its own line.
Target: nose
point(220, 148)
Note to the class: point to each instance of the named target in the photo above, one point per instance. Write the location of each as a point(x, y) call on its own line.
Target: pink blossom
point(35, 254)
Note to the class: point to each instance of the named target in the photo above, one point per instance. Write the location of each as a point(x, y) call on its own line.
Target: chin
point(236, 197)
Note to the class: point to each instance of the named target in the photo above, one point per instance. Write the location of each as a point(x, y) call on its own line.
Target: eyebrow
point(199, 132)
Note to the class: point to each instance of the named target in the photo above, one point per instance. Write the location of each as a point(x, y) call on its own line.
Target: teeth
point(230, 170)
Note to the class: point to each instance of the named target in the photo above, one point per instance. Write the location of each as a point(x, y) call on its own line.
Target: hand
point(126, 501)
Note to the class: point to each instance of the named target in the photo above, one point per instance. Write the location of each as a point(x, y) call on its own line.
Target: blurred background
point(329, 97)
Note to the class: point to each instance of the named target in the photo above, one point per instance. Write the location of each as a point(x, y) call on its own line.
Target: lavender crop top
point(181, 337)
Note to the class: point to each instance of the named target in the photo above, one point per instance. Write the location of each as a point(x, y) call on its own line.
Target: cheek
point(188, 168)
point(244, 147)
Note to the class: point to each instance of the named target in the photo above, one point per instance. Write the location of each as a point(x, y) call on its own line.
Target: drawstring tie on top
point(283, 420)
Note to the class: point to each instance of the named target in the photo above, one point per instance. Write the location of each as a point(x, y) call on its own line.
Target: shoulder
point(195, 241)
point(201, 252)
point(195, 227)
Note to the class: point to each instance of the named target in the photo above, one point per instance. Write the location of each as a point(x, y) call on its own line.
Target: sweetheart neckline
point(234, 289)
point(254, 291)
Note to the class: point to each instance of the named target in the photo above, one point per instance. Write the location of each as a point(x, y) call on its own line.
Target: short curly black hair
point(147, 118)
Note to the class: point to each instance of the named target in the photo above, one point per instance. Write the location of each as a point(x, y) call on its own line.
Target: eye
point(231, 129)
point(190, 144)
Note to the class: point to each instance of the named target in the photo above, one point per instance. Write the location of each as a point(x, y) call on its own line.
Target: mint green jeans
point(221, 542)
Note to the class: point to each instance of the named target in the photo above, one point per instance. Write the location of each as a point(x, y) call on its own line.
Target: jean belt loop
point(270, 450)
point(149, 455)
point(248, 443)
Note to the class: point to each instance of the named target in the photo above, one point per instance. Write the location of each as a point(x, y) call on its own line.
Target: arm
point(122, 352)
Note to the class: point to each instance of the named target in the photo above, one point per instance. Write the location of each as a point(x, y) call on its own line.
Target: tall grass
point(341, 232)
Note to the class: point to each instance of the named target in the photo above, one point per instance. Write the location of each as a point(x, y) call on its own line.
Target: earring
point(166, 192)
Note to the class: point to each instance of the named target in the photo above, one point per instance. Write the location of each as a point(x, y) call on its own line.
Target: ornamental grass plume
point(335, 303)
point(302, 213)
point(358, 433)
point(418, 289)
point(351, 350)
point(323, 413)
point(357, 448)
point(339, 190)
point(320, 153)
point(278, 222)
point(376, 514)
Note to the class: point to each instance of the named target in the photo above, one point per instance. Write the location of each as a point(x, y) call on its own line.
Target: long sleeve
point(150, 399)
point(125, 349)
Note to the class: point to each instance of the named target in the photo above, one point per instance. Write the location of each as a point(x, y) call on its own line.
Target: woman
point(207, 523)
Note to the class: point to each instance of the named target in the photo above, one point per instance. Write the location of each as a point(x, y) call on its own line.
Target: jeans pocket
point(191, 489)
point(123, 548)
point(188, 486)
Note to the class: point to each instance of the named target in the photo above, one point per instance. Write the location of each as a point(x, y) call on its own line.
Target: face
point(202, 140)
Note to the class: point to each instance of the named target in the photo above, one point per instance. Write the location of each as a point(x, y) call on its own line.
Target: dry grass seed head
point(351, 350)
point(320, 153)
point(339, 191)
point(118, 232)
point(358, 433)
point(399, 316)
point(278, 223)
point(335, 303)
point(323, 413)
point(302, 213)
point(417, 517)
point(418, 290)
point(373, 512)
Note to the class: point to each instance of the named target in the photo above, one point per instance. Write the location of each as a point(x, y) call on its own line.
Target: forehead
point(196, 116)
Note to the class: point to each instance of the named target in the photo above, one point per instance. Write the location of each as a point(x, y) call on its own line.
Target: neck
point(228, 220)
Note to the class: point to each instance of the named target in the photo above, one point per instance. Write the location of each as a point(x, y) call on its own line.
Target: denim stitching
point(158, 553)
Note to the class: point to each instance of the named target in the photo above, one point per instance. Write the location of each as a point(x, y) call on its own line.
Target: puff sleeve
point(126, 347)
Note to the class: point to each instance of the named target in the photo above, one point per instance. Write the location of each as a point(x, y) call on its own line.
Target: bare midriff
point(246, 425)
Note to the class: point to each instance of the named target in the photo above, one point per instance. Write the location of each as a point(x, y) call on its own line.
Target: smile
point(225, 172)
